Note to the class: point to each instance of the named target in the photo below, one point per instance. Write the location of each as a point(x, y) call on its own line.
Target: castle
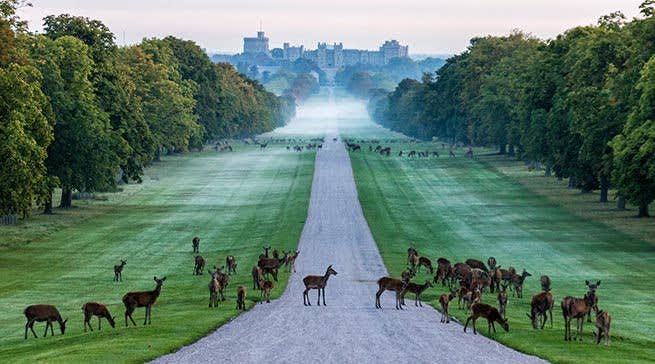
point(326, 57)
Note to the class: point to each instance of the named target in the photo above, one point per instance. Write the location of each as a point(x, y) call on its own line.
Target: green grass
point(460, 208)
point(236, 202)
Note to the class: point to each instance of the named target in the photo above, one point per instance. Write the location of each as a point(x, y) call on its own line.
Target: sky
point(427, 26)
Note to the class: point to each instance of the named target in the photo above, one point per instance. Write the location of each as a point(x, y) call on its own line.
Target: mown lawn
point(460, 208)
point(236, 202)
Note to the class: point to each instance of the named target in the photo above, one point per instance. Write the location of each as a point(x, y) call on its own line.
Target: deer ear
point(586, 282)
point(598, 283)
point(65, 321)
point(163, 279)
point(155, 278)
point(530, 317)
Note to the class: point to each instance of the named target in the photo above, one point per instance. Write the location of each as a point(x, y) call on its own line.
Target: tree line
point(78, 112)
point(582, 104)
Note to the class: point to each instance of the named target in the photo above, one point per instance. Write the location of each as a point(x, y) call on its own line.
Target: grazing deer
point(603, 323)
point(425, 262)
point(542, 303)
point(474, 263)
point(517, 282)
point(545, 283)
point(263, 146)
point(460, 271)
point(196, 244)
point(231, 264)
point(96, 309)
point(444, 271)
point(490, 313)
point(317, 282)
point(214, 286)
point(412, 153)
point(199, 266)
point(241, 298)
point(256, 273)
point(146, 299)
point(502, 301)
point(507, 275)
point(118, 271)
point(592, 291)
point(291, 261)
point(389, 284)
point(450, 153)
point(416, 289)
point(40, 313)
point(575, 308)
point(444, 300)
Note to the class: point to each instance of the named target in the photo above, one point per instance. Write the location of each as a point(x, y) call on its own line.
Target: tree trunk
point(620, 203)
point(643, 211)
point(158, 154)
point(502, 149)
point(572, 182)
point(604, 188)
point(548, 170)
point(66, 198)
point(512, 152)
point(47, 209)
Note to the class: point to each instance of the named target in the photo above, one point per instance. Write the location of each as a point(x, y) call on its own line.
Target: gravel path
point(349, 329)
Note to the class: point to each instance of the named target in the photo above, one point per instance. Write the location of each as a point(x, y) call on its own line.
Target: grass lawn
point(460, 208)
point(236, 202)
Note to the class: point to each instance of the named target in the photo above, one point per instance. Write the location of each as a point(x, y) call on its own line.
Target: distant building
point(392, 49)
point(293, 53)
point(255, 46)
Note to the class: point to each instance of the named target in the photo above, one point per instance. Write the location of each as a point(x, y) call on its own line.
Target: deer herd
point(475, 278)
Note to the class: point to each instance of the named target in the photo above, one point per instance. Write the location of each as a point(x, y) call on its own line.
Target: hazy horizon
point(434, 27)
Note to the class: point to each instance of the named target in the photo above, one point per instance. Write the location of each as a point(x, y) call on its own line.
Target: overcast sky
point(427, 26)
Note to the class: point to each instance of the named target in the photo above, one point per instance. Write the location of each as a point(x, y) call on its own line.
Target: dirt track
point(349, 329)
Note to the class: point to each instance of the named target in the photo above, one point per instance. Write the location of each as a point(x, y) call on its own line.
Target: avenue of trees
point(582, 104)
point(78, 112)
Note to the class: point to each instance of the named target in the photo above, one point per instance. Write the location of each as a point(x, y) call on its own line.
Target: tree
point(360, 84)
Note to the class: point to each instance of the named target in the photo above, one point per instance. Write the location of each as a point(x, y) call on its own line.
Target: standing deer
point(146, 299)
point(444, 300)
point(444, 271)
point(542, 303)
point(196, 244)
point(256, 272)
point(424, 262)
point(545, 283)
point(96, 309)
point(266, 287)
point(416, 289)
point(474, 263)
point(291, 261)
point(266, 249)
point(603, 323)
point(118, 271)
point(517, 282)
point(502, 300)
point(40, 313)
point(231, 264)
point(411, 252)
point(389, 284)
point(490, 313)
point(575, 308)
point(592, 291)
point(319, 283)
point(214, 286)
point(241, 298)
point(199, 265)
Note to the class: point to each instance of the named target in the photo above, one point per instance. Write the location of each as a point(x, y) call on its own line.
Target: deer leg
point(318, 301)
point(475, 331)
point(324, 297)
point(99, 322)
point(47, 324)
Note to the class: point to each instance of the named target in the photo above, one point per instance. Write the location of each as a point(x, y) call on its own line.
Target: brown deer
point(389, 284)
point(118, 271)
point(491, 262)
point(496, 275)
point(146, 299)
point(507, 275)
point(266, 249)
point(317, 282)
point(542, 303)
point(256, 273)
point(411, 252)
point(575, 308)
point(545, 283)
point(460, 270)
point(417, 290)
point(96, 309)
point(195, 243)
point(490, 313)
point(223, 279)
point(276, 254)
point(40, 313)
point(474, 263)
point(592, 291)
point(266, 287)
point(502, 300)
point(603, 323)
point(231, 264)
point(291, 261)
point(214, 286)
point(270, 266)
point(241, 298)
point(424, 262)
point(517, 282)
point(199, 265)
point(444, 271)
point(444, 300)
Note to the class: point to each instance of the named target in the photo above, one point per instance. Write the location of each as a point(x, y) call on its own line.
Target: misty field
point(459, 208)
point(235, 202)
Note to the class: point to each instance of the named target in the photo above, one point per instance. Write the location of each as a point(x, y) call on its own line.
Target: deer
point(290, 262)
point(496, 275)
point(507, 275)
point(444, 300)
point(40, 313)
point(319, 283)
point(256, 272)
point(545, 283)
point(474, 263)
point(491, 262)
point(118, 271)
point(276, 254)
point(444, 271)
point(490, 313)
point(271, 265)
point(603, 322)
point(542, 303)
point(195, 243)
point(411, 252)
point(265, 286)
point(389, 284)
point(517, 282)
point(231, 264)
point(266, 249)
point(502, 300)
point(214, 286)
point(91, 309)
point(424, 262)
point(146, 299)
point(241, 298)
point(592, 290)
point(416, 289)
point(460, 270)
point(576, 308)
point(199, 265)
point(223, 279)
